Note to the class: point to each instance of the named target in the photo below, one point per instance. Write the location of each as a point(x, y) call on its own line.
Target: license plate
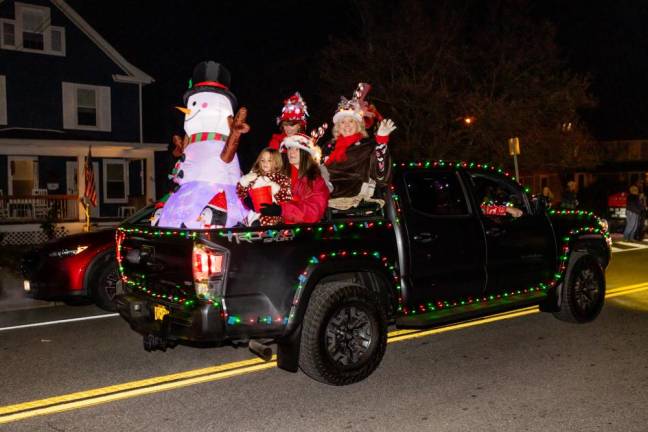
point(159, 312)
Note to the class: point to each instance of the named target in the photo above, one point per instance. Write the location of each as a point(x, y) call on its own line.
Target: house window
point(32, 31)
point(86, 107)
point(3, 100)
point(34, 23)
point(115, 181)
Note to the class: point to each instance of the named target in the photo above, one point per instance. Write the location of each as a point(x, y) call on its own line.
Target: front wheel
point(344, 334)
point(105, 287)
point(583, 293)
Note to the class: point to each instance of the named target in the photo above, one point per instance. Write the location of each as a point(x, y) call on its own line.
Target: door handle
point(425, 237)
point(495, 231)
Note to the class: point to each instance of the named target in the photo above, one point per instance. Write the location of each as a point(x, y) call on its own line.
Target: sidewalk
point(12, 294)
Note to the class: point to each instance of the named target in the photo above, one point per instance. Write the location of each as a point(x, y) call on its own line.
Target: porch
point(41, 182)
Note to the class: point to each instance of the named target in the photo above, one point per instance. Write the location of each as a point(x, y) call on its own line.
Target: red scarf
point(341, 145)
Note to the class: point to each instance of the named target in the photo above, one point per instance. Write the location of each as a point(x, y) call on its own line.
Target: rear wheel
point(105, 285)
point(344, 334)
point(583, 293)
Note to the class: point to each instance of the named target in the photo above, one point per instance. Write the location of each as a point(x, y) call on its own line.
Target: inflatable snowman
point(208, 171)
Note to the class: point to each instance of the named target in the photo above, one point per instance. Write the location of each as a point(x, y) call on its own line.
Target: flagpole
point(87, 215)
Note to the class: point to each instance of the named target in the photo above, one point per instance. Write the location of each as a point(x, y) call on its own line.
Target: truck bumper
point(199, 324)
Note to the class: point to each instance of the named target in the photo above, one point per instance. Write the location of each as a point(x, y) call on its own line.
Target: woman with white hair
point(357, 164)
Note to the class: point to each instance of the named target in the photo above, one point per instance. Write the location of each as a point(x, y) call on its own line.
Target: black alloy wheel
point(349, 334)
point(583, 292)
point(344, 333)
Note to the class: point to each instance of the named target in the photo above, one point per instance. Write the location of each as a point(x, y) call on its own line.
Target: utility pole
point(514, 150)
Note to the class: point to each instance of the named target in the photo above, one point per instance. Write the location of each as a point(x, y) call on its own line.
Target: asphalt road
point(524, 373)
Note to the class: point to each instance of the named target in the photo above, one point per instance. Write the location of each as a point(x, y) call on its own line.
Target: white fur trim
point(346, 113)
point(296, 141)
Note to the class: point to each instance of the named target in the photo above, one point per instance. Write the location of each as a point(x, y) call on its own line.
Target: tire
point(104, 286)
point(583, 293)
point(344, 334)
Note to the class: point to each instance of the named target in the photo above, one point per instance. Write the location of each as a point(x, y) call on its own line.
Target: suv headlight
point(67, 252)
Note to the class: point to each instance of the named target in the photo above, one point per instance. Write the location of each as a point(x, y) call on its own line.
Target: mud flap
point(288, 351)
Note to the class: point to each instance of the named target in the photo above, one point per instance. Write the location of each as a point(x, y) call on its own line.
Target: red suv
point(79, 267)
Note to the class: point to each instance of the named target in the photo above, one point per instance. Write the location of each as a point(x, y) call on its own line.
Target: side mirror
point(540, 204)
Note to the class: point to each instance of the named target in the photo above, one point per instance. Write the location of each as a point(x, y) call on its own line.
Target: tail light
point(208, 265)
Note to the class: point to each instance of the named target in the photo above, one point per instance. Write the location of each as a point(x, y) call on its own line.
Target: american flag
point(90, 193)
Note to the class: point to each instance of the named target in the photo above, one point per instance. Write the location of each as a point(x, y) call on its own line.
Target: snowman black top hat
point(209, 76)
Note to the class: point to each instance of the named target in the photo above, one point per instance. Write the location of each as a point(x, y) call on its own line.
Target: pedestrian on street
point(633, 210)
point(570, 197)
point(639, 233)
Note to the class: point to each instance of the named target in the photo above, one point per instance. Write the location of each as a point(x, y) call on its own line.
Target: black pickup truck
point(326, 293)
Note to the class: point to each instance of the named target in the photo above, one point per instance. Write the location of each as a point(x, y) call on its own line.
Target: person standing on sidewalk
point(633, 210)
point(639, 233)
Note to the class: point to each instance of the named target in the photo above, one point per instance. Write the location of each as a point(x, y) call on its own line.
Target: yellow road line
point(627, 287)
point(133, 393)
point(143, 387)
point(128, 386)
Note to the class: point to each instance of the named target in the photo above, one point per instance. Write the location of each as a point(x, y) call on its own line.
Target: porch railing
point(37, 208)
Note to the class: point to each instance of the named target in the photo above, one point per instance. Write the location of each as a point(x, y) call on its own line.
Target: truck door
point(446, 243)
point(520, 245)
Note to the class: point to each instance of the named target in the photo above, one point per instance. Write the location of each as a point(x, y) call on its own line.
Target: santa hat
point(219, 202)
point(356, 107)
point(294, 109)
point(209, 76)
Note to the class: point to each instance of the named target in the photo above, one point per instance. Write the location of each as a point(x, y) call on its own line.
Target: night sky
point(271, 49)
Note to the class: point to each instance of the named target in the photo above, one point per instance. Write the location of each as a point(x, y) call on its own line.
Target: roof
point(132, 74)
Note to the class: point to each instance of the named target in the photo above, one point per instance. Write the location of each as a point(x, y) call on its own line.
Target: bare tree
point(460, 78)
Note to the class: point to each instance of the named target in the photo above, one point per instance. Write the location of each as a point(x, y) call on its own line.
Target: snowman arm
point(238, 127)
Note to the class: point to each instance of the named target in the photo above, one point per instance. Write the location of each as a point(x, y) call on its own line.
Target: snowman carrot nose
point(187, 111)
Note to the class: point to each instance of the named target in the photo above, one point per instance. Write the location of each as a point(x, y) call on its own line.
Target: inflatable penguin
point(208, 170)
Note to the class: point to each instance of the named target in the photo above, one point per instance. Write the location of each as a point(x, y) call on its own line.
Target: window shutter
point(3, 100)
point(69, 105)
point(104, 112)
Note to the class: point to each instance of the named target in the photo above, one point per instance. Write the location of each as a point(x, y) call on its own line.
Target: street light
point(514, 150)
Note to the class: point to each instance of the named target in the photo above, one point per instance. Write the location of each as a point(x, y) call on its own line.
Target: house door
point(23, 175)
point(71, 180)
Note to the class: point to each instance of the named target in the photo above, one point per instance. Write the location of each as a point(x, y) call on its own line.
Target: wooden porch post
point(150, 176)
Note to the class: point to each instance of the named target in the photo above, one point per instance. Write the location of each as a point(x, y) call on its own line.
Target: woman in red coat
point(309, 191)
point(291, 121)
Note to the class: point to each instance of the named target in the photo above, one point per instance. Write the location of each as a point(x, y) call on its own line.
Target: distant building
point(64, 88)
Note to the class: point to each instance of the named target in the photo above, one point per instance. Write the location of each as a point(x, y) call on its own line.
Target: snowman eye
point(194, 103)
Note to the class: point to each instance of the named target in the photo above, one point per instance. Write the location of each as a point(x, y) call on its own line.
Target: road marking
point(84, 399)
point(46, 323)
point(633, 245)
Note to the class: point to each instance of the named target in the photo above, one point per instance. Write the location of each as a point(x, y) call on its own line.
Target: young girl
point(266, 171)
